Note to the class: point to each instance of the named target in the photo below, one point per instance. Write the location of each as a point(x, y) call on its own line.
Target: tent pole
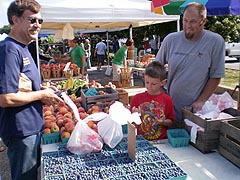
point(130, 31)
point(107, 49)
point(38, 60)
point(238, 105)
point(178, 25)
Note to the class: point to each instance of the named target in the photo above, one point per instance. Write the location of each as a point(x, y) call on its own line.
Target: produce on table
point(56, 70)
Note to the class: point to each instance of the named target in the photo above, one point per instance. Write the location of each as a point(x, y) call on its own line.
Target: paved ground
point(232, 63)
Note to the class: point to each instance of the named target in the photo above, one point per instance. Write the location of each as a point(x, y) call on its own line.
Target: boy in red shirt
point(156, 107)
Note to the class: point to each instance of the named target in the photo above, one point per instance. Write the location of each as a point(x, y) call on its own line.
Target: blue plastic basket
point(51, 138)
point(178, 137)
point(91, 92)
point(125, 129)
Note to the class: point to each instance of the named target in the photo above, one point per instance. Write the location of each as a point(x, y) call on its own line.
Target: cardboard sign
point(132, 132)
point(67, 66)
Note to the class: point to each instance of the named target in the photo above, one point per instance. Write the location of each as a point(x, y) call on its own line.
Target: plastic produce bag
point(217, 103)
point(109, 130)
point(84, 140)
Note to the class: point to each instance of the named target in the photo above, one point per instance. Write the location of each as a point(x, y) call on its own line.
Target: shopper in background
point(21, 116)
point(115, 44)
point(195, 59)
point(154, 105)
point(153, 44)
point(100, 51)
point(87, 48)
point(119, 61)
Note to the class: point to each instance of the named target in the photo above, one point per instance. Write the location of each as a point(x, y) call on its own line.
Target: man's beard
point(189, 35)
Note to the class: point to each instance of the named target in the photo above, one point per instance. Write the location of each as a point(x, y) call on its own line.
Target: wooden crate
point(57, 73)
point(123, 96)
point(88, 101)
point(68, 73)
point(229, 143)
point(46, 74)
point(208, 140)
point(76, 72)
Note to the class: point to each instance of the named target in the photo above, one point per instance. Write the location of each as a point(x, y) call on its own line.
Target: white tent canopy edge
point(100, 16)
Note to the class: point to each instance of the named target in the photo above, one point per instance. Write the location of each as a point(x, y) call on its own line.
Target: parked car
point(233, 50)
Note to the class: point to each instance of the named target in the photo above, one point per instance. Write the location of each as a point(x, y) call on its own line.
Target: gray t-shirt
point(190, 65)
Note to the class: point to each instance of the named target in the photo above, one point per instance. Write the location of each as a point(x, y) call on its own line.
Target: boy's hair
point(156, 70)
point(17, 8)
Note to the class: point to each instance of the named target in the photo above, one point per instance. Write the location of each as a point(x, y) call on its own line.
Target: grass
point(232, 78)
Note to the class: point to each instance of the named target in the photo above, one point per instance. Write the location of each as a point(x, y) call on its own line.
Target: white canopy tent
point(100, 15)
point(104, 15)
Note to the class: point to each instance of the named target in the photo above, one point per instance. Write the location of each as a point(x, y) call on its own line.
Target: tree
point(227, 26)
point(5, 29)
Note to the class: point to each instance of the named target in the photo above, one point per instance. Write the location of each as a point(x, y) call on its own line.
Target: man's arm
point(208, 90)
point(47, 96)
point(83, 62)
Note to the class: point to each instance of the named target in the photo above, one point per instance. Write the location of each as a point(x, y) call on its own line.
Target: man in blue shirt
point(100, 51)
point(21, 117)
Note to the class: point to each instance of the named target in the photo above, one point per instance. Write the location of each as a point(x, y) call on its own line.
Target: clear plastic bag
point(84, 140)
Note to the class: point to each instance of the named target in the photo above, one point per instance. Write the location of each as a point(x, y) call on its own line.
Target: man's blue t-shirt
point(22, 120)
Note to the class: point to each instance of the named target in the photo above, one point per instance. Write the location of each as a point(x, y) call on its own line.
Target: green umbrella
point(173, 8)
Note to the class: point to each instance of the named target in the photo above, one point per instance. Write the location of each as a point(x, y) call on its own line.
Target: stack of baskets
point(126, 76)
point(56, 73)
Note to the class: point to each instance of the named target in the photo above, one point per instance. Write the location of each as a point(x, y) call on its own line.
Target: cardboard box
point(123, 96)
point(208, 140)
point(229, 143)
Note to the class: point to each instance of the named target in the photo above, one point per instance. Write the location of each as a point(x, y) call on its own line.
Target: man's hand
point(197, 106)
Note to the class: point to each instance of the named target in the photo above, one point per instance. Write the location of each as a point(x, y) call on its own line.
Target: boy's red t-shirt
point(153, 107)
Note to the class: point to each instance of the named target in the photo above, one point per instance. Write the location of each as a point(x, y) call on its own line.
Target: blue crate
point(125, 129)
point(51, 138)
point(178, 137)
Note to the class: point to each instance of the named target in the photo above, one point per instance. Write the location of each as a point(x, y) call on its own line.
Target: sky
point(3, 10)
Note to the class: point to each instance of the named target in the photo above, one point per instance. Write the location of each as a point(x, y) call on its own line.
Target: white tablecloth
point(199, 166)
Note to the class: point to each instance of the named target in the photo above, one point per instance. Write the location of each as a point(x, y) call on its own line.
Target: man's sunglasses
point(34, 20)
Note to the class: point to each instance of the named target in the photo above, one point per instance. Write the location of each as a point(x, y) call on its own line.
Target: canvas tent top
point(90, 15)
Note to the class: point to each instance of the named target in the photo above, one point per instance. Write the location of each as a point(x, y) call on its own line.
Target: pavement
point(232, 63)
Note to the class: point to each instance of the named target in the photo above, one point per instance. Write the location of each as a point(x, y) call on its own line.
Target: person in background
point(87, 47)
point(32, 49)
point(153, 44)
point(76, 56)
point(115, 44)
point(119, 61)
point(21, 112)
point(147, 46)
point(154, 105)
point(100, 51)
point(47, 47)
point(195, 59)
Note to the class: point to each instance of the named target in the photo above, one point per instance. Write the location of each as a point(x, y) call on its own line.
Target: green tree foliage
point(227, 26)
point(5, 29)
